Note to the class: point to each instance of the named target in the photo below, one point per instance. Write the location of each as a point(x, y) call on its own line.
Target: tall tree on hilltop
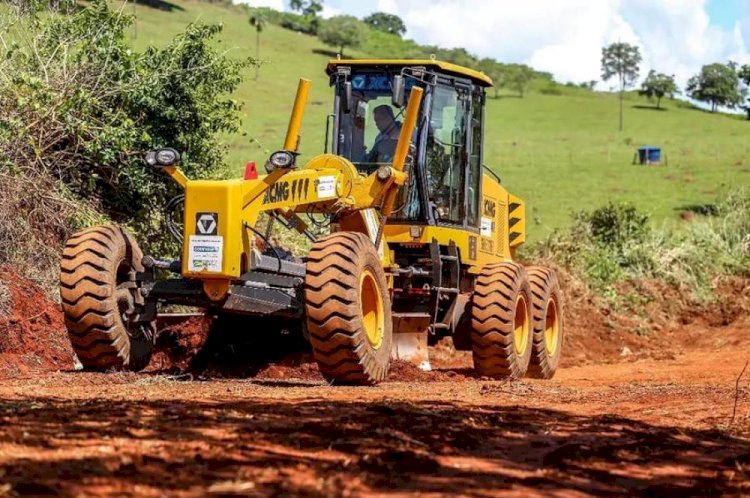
point(495, 71)
point(518, 77)
point(718, 85)
point(744, 74)
point(621, 60)
point(307, 7)
point(259, 23)
point(342, 31)
point(657, 86)
point(388, 23)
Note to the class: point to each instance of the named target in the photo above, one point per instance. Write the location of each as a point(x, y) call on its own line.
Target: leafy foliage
point(657, 86)
point(617, 243)
point(621, 60)
point(717, 84)
point(388, 23)
point(79, 105)
point(518, 77)
point(744, 75)
point(342, 31)
point(33, 6)
point(307, 7)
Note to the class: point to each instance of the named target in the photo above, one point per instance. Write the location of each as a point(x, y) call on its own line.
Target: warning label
point(485, 229)
point(326, 186)
point(205, 253)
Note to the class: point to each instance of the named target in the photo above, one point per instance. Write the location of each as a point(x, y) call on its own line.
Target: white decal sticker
point(205, 253)
point(486, 228)
point(326, 186)
point(372, 226)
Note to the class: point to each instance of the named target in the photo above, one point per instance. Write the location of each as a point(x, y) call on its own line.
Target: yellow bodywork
point(331, 184)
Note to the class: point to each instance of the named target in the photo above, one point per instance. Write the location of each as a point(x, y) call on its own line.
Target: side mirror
point(398, 91)
point(347, 96)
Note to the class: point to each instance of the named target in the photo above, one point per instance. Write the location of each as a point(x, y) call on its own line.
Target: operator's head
point(383, 116)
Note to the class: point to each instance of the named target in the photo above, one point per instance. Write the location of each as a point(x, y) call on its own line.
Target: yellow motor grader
point(421, 245)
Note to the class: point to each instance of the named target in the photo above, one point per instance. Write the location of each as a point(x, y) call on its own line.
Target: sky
point(565, 37)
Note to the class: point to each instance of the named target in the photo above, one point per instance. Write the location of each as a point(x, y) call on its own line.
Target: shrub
point(616, 243)
point(77, 104)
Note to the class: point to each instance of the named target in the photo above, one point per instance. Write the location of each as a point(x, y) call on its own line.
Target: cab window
point(446, 153)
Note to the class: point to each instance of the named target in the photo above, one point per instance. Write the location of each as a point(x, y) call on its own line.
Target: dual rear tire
point(516, 322)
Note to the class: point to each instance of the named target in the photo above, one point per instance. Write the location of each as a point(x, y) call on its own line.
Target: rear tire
point(500, 322)
point(546, 322)
point(348, 309)
point(101, 302)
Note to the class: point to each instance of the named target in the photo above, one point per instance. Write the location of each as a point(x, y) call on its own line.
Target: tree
point(658, 85)
point(744, 75)
point(309, 10)
point(307, 7)
point(588, 85)
point(342, 31)
point(258, 22)
point(518, 77)
point(621, 60)
point(85, 106)
point(717, 84)
point(388, 23)
point(495, 71)
point(30, 6)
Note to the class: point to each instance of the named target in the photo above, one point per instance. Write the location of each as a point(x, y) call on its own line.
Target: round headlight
point(167, 157)
point(281, 159)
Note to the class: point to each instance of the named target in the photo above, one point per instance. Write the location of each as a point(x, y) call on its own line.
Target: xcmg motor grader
point(421, 245)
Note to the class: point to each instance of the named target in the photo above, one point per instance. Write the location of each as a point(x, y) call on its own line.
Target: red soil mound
point(32, 334)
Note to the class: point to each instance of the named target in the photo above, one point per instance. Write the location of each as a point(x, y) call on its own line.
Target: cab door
point(447, 154)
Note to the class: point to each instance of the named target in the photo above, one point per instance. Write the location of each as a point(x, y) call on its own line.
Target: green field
point(560, 153)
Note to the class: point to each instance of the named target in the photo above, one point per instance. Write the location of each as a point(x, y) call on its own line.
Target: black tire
point(546, 322)
point(100, 299)
point(500, 322)
point(346, 295)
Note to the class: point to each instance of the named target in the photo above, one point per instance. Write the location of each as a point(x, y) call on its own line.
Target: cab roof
point(446, 67)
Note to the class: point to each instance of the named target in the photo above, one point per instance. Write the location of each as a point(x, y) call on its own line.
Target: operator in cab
point(384, 146)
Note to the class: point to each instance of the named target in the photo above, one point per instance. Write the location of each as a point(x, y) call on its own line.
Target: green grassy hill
point(561, 153)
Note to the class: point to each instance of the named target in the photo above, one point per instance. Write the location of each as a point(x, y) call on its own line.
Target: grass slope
point(560, 153)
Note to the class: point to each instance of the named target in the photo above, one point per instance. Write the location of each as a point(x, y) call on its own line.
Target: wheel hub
point(521, 326)
point(372, 309)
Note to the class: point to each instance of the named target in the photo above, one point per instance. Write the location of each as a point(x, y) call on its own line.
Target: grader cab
point(421, 245)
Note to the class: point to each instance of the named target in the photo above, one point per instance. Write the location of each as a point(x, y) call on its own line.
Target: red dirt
point(32, 336)
point(627, 414)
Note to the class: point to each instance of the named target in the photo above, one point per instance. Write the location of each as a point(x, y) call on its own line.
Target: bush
point(617, 243)
point(78, 105)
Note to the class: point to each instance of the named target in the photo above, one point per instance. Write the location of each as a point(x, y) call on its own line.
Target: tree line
point(717, 84)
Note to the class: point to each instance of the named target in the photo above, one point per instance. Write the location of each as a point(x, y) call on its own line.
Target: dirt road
point(646, 427)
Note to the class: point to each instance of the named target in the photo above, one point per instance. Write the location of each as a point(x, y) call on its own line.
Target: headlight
point(280, 159)
point(162, 157)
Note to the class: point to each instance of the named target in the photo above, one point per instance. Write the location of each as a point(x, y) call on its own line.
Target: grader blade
point(412, 348)
point(410, 339)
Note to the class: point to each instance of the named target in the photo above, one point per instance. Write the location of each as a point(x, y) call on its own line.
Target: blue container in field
point(649, 154)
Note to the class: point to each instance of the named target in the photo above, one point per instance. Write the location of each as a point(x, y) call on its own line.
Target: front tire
point(500, 321)
point(101, 301)
point(348, 309)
